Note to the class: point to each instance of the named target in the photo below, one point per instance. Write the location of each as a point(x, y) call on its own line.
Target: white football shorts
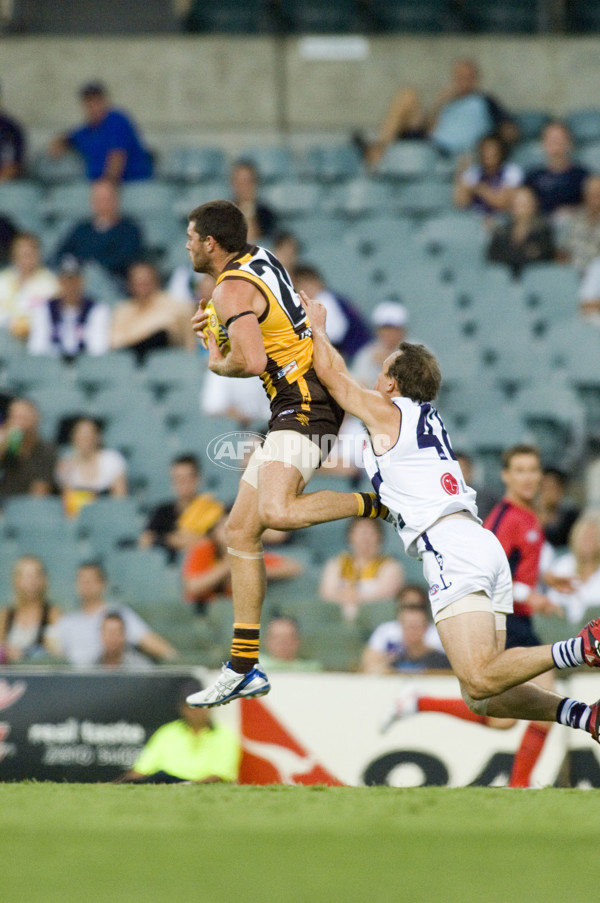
point(461, 557)
point(289, 447)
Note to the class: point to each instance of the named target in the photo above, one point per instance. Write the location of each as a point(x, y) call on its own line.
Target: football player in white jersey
point(410, 461)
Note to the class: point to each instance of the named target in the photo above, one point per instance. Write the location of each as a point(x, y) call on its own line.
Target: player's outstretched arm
point(237, 303)
point(366, 404)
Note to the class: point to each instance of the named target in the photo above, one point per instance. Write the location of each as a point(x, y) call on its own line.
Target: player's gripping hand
point(200, 321)
point(215, 355)
point(315, 311)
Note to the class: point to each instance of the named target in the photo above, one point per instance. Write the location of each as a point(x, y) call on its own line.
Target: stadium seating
point(109, 523)
point(22, 203)
point(584, 125)
point(193, 164)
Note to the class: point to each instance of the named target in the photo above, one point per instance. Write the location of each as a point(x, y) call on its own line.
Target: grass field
point(64, 843)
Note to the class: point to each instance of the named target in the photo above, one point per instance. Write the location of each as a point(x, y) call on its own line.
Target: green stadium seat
point(28, 372)
point(362, 197)
point(419, 199)
point(411, 16)
point(407, 160)
point(109, 523)
point(193, 164)
point(293, 199)
point(139, 199)
point(174, 370)
point(142, 576)
point(528, 155)
point(584, 125)
point(274, 164)
point(531, 123)
point(193, 195)
point(22, 513)
point(70, 199)
point(68, 167)
point(551, 291)
point(500, 16)
point(21, 201)
point(230, 17)
point(331, 163)
point(56, 405)
point(116, 369)
point(372, 614)
point(314, 16)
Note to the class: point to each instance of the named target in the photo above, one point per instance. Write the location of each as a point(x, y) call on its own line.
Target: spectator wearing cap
point(70, 323)
point(24, 285)
point(12, 147)
point(109, 239)
point(108, 141)
point(390, 320)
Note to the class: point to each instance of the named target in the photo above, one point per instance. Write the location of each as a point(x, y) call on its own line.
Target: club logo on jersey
point(449, 484)
point(302, 419)
point(285, 371)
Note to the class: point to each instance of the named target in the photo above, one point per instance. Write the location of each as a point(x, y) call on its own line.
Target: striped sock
point(568, 653)
point(369, 505)
point(573, 714)
point(244, 647)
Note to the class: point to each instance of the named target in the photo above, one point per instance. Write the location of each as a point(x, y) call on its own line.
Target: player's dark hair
point(416, 371)
point(114, 615)
point(224, 221)
point(307, 271)
point(189, 459)
point(520, 449)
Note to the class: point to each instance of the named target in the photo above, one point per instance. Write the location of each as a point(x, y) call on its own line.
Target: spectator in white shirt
point(24, 285)
point(70, 323)
point(88, 470)
point(574, 578)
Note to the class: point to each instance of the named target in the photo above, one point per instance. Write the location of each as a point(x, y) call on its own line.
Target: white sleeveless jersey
point(419, 478)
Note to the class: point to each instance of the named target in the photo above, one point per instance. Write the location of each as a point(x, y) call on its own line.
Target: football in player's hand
point(216, 327)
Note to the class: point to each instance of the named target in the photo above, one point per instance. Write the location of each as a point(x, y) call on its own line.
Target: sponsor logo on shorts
point(232, 450)
point(434, 590)
point(449, 484)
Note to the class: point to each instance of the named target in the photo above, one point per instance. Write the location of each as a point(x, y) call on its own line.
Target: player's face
point(196, 248)
point(523, 478)
point(383, 383)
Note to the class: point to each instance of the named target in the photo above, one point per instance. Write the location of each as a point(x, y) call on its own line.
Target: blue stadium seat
point(143, 576)
point(451, 229)
point(100, 285)
point(21, 512)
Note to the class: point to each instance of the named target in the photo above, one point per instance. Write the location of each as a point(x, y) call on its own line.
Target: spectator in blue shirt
point(108, 238)
point(558, 185)
point(12, 148)
point(108, 142)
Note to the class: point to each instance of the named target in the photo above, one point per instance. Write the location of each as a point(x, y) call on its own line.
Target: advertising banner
point(69, 726)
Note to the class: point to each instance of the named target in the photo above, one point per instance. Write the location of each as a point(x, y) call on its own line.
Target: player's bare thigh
point(244, 525)
point(471, 641)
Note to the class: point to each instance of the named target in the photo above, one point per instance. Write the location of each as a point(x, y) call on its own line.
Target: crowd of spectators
point(542, 212)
